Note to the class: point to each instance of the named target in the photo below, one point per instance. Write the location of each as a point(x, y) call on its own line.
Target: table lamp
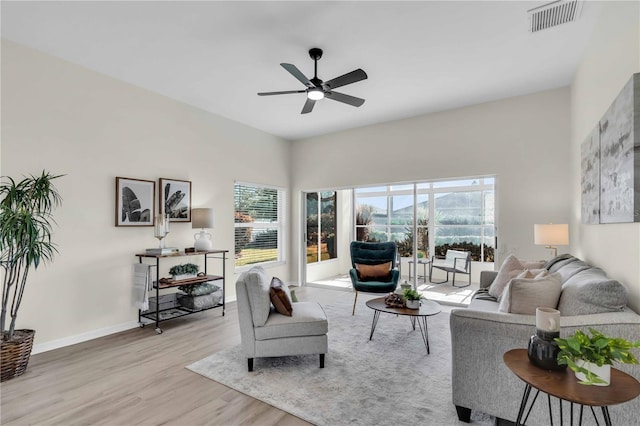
point(202, 218)
point(551, 235)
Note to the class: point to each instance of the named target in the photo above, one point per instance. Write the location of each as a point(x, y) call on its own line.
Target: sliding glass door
point(321, 219)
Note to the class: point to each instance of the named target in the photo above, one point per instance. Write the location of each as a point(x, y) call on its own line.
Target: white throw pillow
point(524, 295)
point(511, 268)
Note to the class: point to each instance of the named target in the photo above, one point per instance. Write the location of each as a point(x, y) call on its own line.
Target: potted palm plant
point(590, 357)
point(25, 242)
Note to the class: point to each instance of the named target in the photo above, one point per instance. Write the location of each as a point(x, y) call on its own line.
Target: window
point(259, 224)
point(321, 226)
point(442, 215)
point(387, 214)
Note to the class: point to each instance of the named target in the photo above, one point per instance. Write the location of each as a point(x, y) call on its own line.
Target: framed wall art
point(175, 199)
point(590, 182)
point(619, 161)
point(135, 201)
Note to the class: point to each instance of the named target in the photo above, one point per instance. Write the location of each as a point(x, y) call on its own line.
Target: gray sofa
point(480, 335)
point(266, 333)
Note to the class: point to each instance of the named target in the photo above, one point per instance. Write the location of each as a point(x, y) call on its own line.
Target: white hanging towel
point(141, 280)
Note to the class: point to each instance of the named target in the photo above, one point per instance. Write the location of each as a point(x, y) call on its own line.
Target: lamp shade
point(551, 234)
point(202, 218)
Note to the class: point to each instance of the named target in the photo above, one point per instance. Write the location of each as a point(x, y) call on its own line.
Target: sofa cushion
point(591, 292)
point(511, 268)
point(258, 291)
point(379, 272)
point(308, 319)
point(280, 296)
point(524, 295)
point(572, 268)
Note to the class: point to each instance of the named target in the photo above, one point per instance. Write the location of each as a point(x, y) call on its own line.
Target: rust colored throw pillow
point(280, 297)
point(380, 272)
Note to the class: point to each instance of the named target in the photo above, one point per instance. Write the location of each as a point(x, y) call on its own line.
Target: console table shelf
point(166, 307)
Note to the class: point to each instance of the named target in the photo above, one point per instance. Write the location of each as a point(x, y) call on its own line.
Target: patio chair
point(373, 268)
point(455, 261)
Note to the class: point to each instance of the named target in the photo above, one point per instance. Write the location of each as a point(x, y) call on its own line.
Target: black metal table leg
point(526, 417)
point(413, 321)
point(581, 410)
point(523, 404)
point(376, 315)
point(605, 414)
point(424, 331)
point(594, 416)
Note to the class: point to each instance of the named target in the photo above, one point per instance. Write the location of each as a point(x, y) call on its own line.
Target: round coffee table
point(427, 308)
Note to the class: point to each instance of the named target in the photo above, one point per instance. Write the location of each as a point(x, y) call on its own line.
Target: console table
point(564, 386)
point(166, 310)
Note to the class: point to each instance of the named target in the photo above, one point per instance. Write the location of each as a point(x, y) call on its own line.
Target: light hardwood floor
point(139, 377)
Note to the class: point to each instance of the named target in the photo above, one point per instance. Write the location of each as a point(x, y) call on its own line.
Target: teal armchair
point(369, 254)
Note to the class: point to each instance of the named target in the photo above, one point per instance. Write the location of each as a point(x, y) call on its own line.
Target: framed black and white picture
point(135, 201)
point(175, 199)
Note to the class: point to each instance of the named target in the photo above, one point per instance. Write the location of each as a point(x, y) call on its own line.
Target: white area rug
point(389, 380)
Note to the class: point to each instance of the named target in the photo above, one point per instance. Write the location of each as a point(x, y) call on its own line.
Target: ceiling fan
point(318, 89)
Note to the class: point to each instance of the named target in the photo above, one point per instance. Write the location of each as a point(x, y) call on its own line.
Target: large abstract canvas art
point(590, 183)
point(610, 159)
point(617, 160)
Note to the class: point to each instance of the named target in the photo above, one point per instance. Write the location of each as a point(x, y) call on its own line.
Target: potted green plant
point(25, 242)
point(184, 271)
point(412, 298)
point(591, 357)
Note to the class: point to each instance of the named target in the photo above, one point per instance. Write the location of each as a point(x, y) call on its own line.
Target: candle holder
point(160, 229)
point(543, 349)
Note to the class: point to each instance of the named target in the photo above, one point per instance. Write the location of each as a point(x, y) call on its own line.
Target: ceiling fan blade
point(308, 106)
point(281, 93)
point(347, 78)
point(347, 99)
point(297, 74)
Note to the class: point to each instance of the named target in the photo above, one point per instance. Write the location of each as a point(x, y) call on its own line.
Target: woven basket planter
point(15, 354)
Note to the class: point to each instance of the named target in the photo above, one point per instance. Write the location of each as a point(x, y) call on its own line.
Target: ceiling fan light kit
point(317, 89)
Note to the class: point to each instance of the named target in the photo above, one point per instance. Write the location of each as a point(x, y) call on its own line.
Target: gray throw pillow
point(524, 295)
point(591, 292)
point(201, 289)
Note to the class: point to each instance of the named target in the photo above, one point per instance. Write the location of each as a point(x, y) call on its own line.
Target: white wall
point(524, 141)
point(67, 119)
point(612, 56)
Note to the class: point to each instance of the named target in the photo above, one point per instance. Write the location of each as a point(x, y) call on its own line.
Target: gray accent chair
point(266, 333)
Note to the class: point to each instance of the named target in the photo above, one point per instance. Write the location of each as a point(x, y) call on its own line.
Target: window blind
point(258, 223)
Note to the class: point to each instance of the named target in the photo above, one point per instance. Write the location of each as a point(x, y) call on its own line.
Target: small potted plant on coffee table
point(590, 357)
point(412, 298)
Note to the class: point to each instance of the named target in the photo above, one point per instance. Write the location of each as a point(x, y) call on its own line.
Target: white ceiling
point(421, 56)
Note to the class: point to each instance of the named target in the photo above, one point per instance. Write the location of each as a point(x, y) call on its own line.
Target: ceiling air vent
point(553, 14)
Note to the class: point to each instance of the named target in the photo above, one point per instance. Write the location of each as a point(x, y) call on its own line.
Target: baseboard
point(89, 335)
point(83, 337)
